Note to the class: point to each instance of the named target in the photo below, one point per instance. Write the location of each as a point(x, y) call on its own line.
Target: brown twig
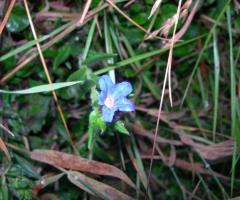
point(85, 11)
point(5, 19)
point(126, 16)
point(48, 77)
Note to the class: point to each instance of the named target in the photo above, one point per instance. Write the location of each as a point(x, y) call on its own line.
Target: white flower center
point(109, 102)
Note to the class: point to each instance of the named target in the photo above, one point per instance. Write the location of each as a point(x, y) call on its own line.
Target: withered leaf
point(73, 162)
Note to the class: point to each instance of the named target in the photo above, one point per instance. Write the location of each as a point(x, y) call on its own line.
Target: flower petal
point(105, 83)
point(125, 105)
point(107, 114)
point(102, 97)
point(122, 90)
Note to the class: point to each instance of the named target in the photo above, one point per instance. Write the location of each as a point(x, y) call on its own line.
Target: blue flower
point(113, 97)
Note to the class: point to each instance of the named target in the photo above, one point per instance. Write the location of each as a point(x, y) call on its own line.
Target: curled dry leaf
point(96, 188)
point(73, 162)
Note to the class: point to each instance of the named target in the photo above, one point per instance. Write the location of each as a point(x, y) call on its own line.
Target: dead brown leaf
point(73, 162)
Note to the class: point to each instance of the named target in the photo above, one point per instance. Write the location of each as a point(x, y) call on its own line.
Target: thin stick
point(126, 16)
point(48, 77)
point(7, 130)
point(171, 51)
point(85, 11)
point(9, 10)
point(167, 76)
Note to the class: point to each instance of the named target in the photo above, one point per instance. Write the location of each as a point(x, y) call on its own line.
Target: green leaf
point(27, 168)
point(80, 74)
point(62, 55)
point(96, 123)
point(141, 18)
point(18, 20)
point(42, 88)
point(4, 189)
point(35, 112)
point(119, 126)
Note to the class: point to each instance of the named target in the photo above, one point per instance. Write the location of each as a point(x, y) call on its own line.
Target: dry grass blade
point(170, 22)
point(6, 129)
point(154, 8)
point(183, 12)
point(9, 10)
point(215, 152)
point(167, 76)
point(167, 72)
point(126, 16)
point(165, 116)
point(137, 165)
point(181, 32)
point(192, 167)
point(68, 161)
point(137, 129)
point(49, 78)
point(86, 8)
point(96, 188)
point(4, 149)
point(169, 118)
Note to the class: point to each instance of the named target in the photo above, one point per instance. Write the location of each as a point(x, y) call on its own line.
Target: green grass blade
point(108, 46)
point(216, 82)
point(115, 39)
point(195, 115)
point(203, 50)
point(178, 181)
point(42, 88)
point(32, 43)
point(215, 178)
point(89, 40)
point(233, 96)
point(143, 56)
point(140, 167)
point(203, 89)
point(154, 90)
